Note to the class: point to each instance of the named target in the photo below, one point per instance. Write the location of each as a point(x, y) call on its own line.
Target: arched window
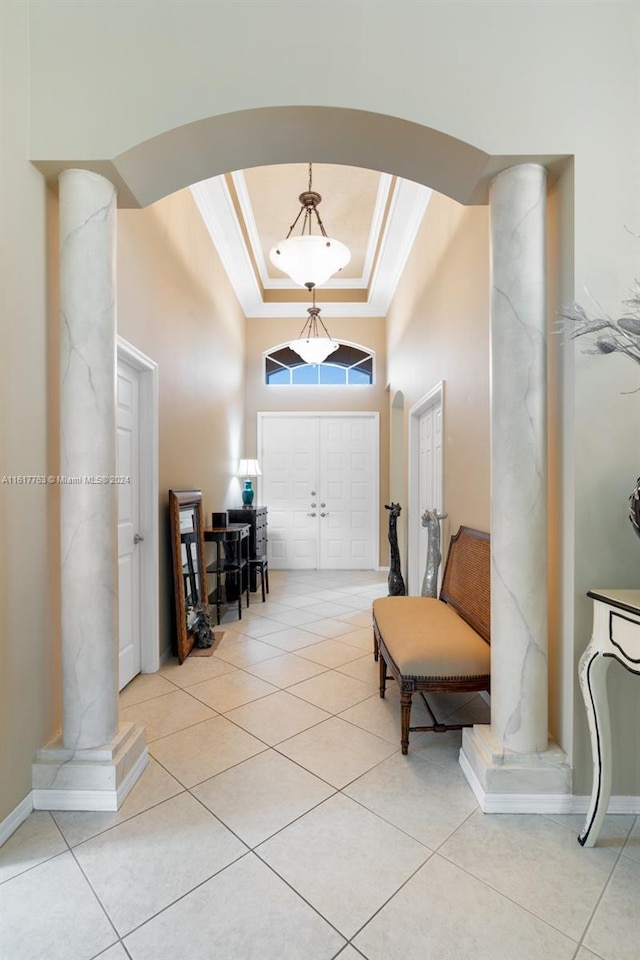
point(349, 365)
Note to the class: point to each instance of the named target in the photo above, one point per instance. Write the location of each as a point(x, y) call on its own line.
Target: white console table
point(616, 636)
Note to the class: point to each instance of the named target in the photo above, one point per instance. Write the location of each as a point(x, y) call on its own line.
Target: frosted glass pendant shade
point(314, 349)
point(310, 260)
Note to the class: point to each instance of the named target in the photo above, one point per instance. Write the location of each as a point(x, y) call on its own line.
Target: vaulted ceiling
point(376, 215)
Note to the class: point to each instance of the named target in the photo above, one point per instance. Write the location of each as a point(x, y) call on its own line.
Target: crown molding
point(408, 204)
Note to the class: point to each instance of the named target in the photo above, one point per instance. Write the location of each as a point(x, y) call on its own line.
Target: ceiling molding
point(399, 208)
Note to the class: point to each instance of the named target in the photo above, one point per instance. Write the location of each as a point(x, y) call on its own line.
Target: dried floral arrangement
point(610, 336)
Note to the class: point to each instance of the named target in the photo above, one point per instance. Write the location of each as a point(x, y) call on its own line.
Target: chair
point(261, 566)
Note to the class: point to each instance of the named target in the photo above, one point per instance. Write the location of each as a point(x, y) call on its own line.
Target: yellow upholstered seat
point(427, 639)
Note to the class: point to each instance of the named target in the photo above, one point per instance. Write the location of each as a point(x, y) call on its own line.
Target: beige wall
point(176, 305)
point(369, 333)
point(551, 104)
point(30, 664)
point(438, 329)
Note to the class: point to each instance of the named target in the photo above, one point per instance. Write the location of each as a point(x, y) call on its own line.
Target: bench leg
point(383, 676)
point(375, 647)
point(405, 716)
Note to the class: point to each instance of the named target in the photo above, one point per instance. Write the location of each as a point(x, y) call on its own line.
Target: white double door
point(320, 483)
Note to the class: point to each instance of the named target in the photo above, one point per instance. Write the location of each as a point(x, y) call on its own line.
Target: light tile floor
point(277, 819)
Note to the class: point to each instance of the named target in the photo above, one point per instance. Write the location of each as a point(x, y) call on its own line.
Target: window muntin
point(350, 365)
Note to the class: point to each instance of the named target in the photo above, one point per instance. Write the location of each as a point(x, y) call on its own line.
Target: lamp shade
point(314, 349)
point(310, 260)
point(249, 468)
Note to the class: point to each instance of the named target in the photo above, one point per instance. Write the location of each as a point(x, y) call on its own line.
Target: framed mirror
point(186, 519)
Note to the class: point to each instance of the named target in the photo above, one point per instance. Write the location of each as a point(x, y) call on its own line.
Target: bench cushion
point(427, 639)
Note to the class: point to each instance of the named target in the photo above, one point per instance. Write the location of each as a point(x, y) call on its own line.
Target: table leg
point(593, 683)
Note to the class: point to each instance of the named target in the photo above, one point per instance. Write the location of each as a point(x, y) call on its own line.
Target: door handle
point(313, 514)
point(327, 514)
point(137, 538)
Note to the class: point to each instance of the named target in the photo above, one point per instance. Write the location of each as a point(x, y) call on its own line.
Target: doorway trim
point(149, 586)
point(369, 414)
point(434, 397)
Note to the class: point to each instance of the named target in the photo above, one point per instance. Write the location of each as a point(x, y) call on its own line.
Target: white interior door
point(320, 474)
point(430, 470)
point(426, 479)
point(128, 465)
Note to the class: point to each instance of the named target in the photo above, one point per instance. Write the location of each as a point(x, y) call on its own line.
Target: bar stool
point(261, 565)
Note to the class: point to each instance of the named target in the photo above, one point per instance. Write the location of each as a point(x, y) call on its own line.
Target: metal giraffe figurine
point(431, 520)
point(395, 581)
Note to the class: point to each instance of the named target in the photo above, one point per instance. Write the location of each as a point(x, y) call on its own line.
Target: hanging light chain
point(308, 204)
point(312, 322)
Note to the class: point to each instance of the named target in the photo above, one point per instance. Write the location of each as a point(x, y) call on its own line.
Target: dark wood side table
point(256, 517)
point(231, 563)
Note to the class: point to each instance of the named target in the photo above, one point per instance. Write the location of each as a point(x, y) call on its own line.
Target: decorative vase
point(247, 493)
point(634, 508)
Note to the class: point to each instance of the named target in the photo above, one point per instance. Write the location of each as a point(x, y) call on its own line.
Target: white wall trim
point(17, 816)
point(539, 802)
point(149, 574)
point(434, 397)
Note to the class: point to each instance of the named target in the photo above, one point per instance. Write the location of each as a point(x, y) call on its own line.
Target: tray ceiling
point(376, 215)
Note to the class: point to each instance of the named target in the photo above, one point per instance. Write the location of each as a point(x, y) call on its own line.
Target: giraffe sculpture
point(431, 520)
point(395, 581)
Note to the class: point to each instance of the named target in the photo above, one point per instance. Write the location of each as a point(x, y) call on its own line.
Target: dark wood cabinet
point(256, 517)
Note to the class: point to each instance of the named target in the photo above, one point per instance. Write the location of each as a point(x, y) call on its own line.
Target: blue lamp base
point(247, 493)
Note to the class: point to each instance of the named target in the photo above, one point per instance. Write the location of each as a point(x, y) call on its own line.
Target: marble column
point(516, 743)
point(88, 512)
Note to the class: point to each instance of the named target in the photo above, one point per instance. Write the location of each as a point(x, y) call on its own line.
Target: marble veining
point(88, 509)
point(518, 495)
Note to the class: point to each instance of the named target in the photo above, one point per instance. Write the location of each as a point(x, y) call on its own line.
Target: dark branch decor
point(608, 335)
point(611, 336)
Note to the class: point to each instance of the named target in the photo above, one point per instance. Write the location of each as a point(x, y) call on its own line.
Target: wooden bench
point(440, 645)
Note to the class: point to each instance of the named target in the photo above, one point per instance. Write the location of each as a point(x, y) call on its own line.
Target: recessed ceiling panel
point(346, 210)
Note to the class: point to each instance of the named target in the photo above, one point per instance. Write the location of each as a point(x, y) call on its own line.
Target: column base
point(96, 779)
point(507, 782)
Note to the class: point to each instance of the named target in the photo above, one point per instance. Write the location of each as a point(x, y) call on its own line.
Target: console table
point(256, 517)
point(616, 636)
point(231, 560)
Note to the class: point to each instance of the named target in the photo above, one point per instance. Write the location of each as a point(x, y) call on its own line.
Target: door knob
point(323, 504)
point(313, 514)
point(313, 493)
point(327, 514)
point(313, 505)
point(137, 538)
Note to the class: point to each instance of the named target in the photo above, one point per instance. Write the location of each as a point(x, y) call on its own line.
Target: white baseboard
point(540, 802)
point(17, 816)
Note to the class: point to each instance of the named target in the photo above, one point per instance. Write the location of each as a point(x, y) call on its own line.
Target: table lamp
point(248, 469)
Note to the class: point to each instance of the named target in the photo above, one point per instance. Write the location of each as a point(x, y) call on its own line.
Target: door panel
point(128, 465)
point(333, 456)
point(290, 474)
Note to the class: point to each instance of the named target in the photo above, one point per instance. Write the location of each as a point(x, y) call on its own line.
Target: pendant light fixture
point(311, 345)
point(309, 259)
